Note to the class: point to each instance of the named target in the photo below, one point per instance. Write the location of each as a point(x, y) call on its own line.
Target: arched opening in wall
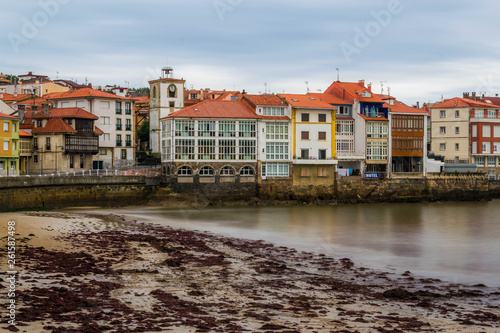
point(227, 171)
point(185, 171)
point(247, 171)
point(207, 171)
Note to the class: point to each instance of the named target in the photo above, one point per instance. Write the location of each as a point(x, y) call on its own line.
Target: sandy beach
point(105, 273)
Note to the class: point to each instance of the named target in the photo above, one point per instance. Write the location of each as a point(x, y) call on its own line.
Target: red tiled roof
point(329, 98)
point(24, 133)
point(84, 92)
point(458, 102)
point(142, 99)
point(11, 97)
point(3, 115)
point(66, 113)
point(306, 101)
point(97, 130)
point(403, 108)
point(371, 118)
point(216, 109)
point(354, 89)
point(30, 101)
point(265, 100)
point(55, 125)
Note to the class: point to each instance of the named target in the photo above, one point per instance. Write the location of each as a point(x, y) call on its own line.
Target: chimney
point(45, 108)
point(370, 87)
point(361, 83)
point(473, 96)
point(418, 105)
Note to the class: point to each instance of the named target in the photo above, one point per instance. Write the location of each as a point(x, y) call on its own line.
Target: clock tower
point(166, 96)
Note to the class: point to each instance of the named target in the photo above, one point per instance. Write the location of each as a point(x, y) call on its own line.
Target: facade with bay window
point(116, 120)
point(210, 141)
point(274, 135)
point(485, 140)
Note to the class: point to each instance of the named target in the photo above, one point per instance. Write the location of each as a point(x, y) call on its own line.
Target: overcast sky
point(420, 49)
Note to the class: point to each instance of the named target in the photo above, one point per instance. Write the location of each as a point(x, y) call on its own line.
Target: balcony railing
point(118, 143)
point(128, 127)
point(128, 143)
point(118, 111)
point(128, 111)
point(118, 127)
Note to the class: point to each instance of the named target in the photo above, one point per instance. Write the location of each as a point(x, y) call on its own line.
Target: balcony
point(128, 127)
point(118, 111)
point(128, 111)
point(118, 143)
point(118, 127)
point(128, 143)
point(88, 144)
point(314, 160)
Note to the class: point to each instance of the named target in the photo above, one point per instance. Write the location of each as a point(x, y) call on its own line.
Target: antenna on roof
point(307, 86)
point(389, 91)
point(265, 88)
point(338, 75)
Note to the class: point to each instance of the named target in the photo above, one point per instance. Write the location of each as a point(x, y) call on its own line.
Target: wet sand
point(103, 273)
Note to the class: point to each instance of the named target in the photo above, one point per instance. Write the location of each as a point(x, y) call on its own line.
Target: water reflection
point(454, 241)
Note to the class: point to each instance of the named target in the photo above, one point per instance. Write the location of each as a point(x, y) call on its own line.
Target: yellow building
point(9, 144)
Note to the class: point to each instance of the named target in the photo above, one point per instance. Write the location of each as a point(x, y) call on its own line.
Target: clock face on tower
point(171, 88)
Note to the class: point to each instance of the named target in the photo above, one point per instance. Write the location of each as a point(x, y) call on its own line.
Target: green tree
point(143, 132)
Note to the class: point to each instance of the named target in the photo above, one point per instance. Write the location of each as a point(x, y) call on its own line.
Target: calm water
point(457, 242)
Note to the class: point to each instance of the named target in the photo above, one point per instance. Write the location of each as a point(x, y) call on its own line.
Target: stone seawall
point(58, 192)
point(375, 190)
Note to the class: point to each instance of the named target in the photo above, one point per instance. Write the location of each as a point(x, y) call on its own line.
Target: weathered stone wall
point(57, 192)
point(377, 190)
point(216, 188)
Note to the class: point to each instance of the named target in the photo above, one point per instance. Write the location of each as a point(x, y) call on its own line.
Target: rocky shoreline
point(103, 273)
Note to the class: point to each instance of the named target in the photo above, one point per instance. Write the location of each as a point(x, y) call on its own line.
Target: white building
point(212, 141)
point(313, 140)
point(274, 135)
point(116, 120)
point(166, 97)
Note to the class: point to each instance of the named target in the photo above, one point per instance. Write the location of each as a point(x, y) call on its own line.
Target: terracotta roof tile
point(403, 108)
point(329, 98)
point(306, 101)
point(66, 113)
point(265, 100)
point(55, 125)
point(354, 89)
point(97, 130)
point(11, 97)
point(3, 115)
point(84, 92)
point(458, 102)
point(216, 109)
point(24, 133)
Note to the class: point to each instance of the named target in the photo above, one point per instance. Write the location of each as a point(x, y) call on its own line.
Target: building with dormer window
point(371, 124)
point(64, 140)
point(116, 119)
